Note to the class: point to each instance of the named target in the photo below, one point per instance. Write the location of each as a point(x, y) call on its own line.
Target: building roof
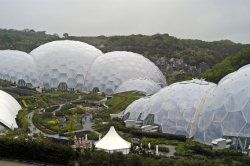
point(112, 141)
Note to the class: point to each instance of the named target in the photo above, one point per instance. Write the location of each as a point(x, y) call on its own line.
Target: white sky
point(193, 19)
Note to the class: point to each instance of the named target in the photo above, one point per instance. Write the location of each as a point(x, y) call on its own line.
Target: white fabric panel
point(9, 108)
point(113, 142)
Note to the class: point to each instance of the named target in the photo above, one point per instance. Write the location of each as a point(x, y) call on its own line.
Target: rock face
point(174, 68)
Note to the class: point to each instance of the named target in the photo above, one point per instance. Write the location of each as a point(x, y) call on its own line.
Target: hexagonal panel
point(65, 60)
point(233, 123)
point(120, 66)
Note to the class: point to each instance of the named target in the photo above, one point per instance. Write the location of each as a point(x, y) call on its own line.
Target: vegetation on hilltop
point(228, 65)
point(162, 45)
point(25, 40)
point(5, 83)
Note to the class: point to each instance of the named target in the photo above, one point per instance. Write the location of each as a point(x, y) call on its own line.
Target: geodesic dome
point(226, 111)
point(64, 64)
point(175, 108)
point(112, 69)
point(9, 108)
point(141, 85)
point(17, 66)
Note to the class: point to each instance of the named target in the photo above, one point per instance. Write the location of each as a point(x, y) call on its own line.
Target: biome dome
point(9, 108)
point(174, 107)
point(75, 65)
point(64, 64)
point(226, 111)
point(112, 69)
point(18, 67)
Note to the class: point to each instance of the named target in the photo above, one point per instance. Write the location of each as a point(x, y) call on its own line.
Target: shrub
point(44, 151)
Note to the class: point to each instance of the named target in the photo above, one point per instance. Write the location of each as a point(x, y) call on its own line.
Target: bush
point(44, 151)
point(22, 120)
point(158, 135)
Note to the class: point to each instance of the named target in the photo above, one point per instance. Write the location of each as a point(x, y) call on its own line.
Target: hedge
point(44, 151)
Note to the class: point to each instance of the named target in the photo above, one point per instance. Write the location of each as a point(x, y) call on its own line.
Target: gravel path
point(14, 163)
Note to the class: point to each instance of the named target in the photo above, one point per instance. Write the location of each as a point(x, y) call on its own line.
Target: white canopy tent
point(112, 142)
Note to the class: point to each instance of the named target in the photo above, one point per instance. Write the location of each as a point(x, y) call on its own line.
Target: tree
point(65, 35)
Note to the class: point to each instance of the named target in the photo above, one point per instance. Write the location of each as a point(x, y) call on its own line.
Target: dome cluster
point(79, 66)
point(199, 109)
point(9, 108)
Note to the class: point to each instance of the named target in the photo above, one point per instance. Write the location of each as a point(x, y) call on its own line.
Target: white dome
point(66, 61)
point(226, 110)
point(175, 107)
point(9, 108)
point(114, 68)
point(19, 67)
point(141, 85)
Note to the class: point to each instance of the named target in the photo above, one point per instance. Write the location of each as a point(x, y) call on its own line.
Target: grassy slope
point(228, 65)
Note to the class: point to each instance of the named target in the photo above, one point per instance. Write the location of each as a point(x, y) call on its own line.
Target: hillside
point(177, 58)
point(228, 65)
point(25, 40)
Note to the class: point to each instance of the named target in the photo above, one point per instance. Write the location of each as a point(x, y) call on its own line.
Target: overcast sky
point(195, 19)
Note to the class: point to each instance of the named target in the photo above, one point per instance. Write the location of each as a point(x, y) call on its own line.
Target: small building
point(147, 128)
point(113, 116)
point(113, 142)
point(221, 143)
point(130, 123)
point(133, 123)
point(82, 143)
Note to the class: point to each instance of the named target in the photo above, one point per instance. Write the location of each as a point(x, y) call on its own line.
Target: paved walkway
point(87, 125)
point(171, 150)
point(14, 163)
point(168, 154)
point(59, 108)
